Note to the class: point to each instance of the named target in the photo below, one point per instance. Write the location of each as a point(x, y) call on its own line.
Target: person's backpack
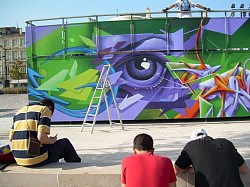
point(185, 5)
point(6, 157)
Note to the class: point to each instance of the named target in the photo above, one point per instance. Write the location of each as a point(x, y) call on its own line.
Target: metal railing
point(101, 17)
point(96, 19)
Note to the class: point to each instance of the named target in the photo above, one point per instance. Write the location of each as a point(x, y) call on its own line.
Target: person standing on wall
point(30, 143)
point(185, 7)
point(144, 168)
point(216, 162)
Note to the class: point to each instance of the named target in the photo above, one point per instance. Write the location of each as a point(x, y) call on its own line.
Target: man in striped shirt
point(34, 121)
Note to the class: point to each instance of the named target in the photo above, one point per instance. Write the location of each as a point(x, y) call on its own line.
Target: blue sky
point(15, 12)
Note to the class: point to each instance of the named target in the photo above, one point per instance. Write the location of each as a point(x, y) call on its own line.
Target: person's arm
point(11, 135)
point(178, 170)
point(171, 6)
point(44, 127)
point(183, 162)
point(123, 185)
point(44, 139)
point(190, 170)
point(201, 7)
point(243, 169)
point(173, 184)
point(168, 8)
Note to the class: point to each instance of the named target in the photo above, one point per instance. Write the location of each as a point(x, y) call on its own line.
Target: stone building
point(12, 50)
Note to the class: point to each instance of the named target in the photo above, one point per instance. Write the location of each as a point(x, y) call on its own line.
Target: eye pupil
point(141, 68)
point(139, 64)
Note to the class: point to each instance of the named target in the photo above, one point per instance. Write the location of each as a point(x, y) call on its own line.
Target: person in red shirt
point(144, 168)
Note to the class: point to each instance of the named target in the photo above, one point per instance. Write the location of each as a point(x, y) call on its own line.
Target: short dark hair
point(49, 103)
point(143, 142)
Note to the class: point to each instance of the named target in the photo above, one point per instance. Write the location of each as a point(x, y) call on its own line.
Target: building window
point(14, 42)
point(23, 55)
point(14, 55)
point(6, 43)
point(7, 70)
point(7, 57)
point(23, 69)
point(22, 42)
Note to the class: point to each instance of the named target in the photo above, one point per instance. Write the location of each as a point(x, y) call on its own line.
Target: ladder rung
point(94, 106)
point(97, 97)
point(88, 123)
point(116, 123)
point(91, 114)
point(99, 88)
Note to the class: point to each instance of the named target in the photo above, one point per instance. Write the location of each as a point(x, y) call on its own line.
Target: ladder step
point(116, 123)
point(91, 114)
point(88, 123)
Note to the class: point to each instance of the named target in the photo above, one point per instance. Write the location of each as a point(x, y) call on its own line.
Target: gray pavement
point(107, 146)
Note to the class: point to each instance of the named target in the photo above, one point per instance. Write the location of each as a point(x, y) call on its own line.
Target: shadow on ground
point(7, 112)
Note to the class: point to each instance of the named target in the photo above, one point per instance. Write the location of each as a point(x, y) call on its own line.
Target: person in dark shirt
point(216, 162)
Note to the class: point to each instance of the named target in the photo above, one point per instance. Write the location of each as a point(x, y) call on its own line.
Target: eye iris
point(141, 68)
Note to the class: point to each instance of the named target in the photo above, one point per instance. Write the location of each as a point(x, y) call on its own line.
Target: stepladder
point(103, 95)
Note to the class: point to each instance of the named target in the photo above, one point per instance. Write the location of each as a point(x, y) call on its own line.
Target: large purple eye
point(141, 68)
point(144, 71)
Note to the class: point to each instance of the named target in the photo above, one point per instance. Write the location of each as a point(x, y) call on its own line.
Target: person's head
point(143, 142)
point(49, 103)
point(197, 134)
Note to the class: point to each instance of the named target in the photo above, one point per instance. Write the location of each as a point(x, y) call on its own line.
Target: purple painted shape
point(127, 101)
point(229, 105)
point(108, 56)
point(194, 86)
point(121, 82)
point(59, 117)
point(190, 102)
point(158, 41)
point(168, 94)
point(190, 43)
point(129, 114)
point(115, 77)
point(119, 45)
point(35, 33)
point(155, 41)
point(180, 110)
point(218, 25)
point(246, 101)
point(96, 61)
point(166, 106)
point(152, 43)
point(106, 50)
point(111, 41)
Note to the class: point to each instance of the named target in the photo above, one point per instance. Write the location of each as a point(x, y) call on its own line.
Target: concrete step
point(77, 174)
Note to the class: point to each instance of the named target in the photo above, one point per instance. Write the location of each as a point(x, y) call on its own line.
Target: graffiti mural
point(161, 68)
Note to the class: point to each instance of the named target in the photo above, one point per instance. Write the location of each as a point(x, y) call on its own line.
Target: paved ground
point(107, 146)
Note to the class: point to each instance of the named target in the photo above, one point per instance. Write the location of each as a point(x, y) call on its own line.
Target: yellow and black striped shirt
point(38, 120)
